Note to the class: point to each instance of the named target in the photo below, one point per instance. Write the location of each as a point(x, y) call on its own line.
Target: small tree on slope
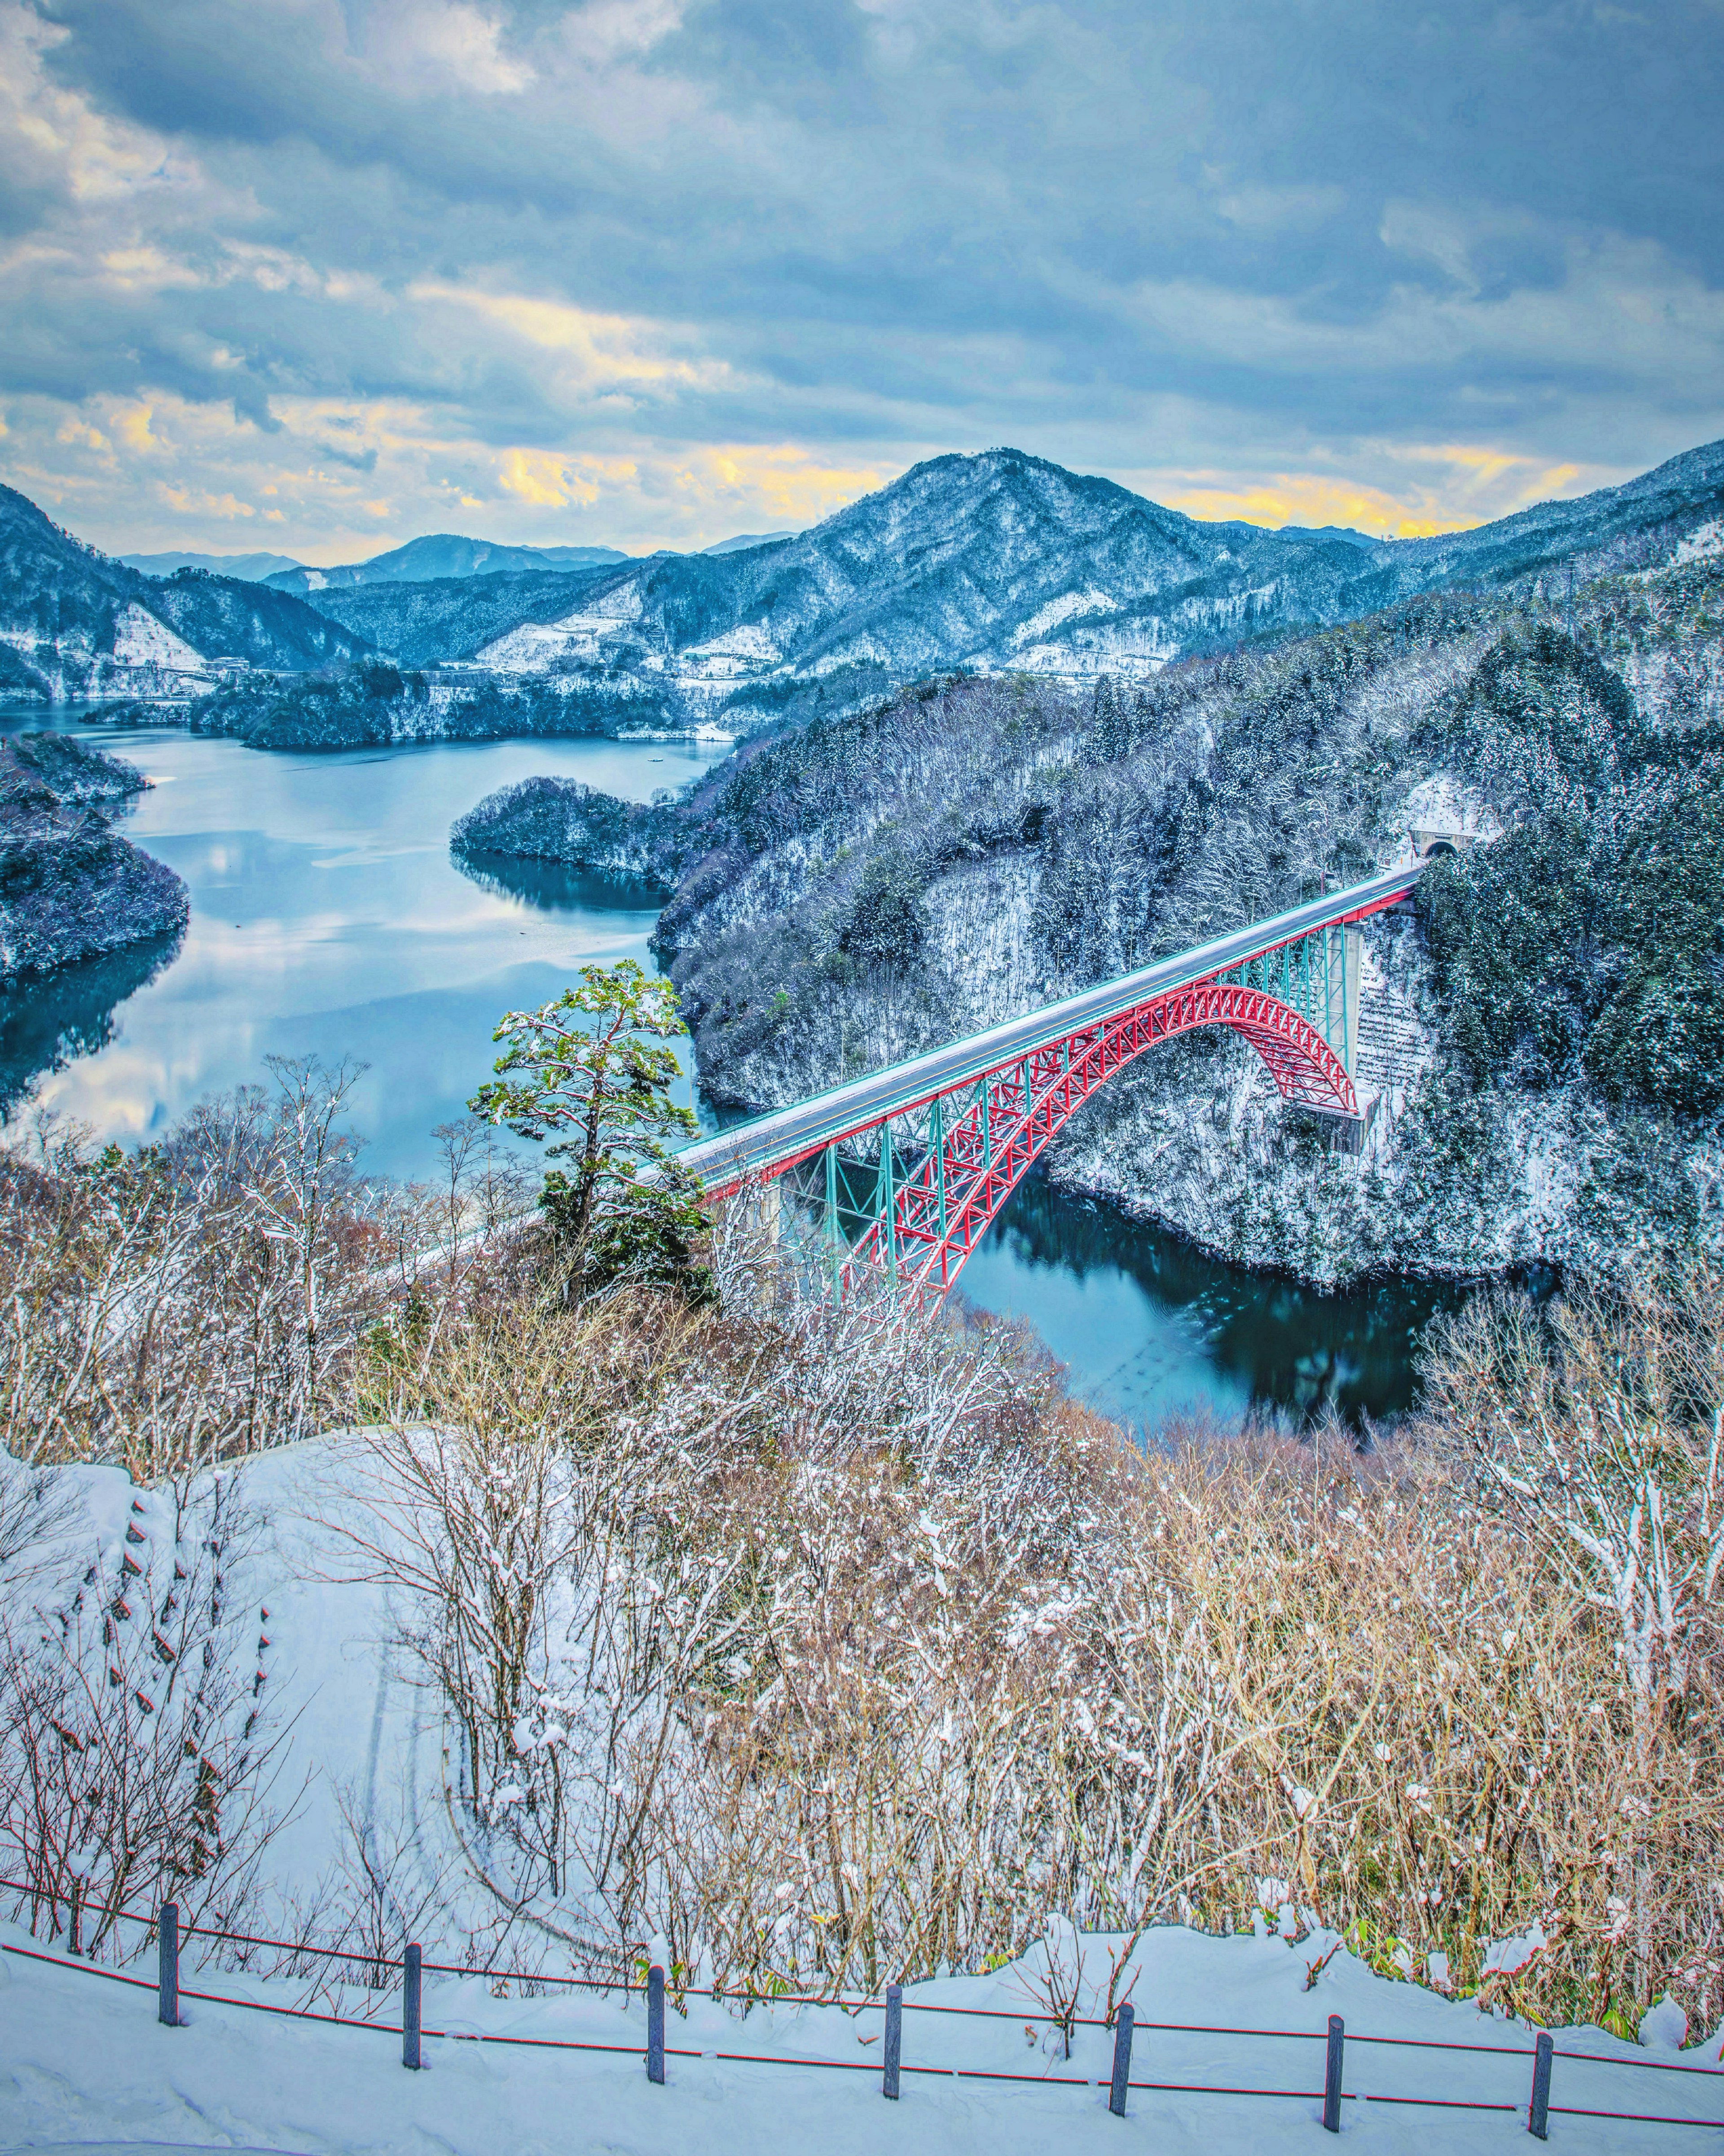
point(580, 1065)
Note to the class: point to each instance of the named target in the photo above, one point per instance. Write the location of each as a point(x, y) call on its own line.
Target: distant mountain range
point(1000, 562)
point(1003, 561)
point(744, 540)
point(438, 555)
point(249, 568)
point(74, 623)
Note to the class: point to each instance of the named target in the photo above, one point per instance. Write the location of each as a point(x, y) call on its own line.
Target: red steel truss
point(984, 1134)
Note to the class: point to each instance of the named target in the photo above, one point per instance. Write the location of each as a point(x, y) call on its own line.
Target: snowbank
point(84, 2060)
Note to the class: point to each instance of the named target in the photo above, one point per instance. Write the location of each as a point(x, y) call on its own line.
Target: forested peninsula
point(71, 888)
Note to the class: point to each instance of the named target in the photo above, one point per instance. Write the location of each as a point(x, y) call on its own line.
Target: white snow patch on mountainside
point(141, 640)
point(1704, 541)
point(1069, 604)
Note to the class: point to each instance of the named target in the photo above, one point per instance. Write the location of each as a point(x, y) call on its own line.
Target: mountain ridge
point(76, 623)
point(438, 555)
point(1004, 561)
point(999, 561)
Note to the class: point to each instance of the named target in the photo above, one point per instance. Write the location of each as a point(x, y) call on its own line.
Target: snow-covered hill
point(1004, 562)
point(363, 1780)
point(75, 623)
point(435, 556)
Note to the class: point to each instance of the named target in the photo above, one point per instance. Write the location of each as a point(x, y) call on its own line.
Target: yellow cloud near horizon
point(1476, 486)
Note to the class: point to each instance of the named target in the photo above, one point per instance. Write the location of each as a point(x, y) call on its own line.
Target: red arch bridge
point(901, 1171)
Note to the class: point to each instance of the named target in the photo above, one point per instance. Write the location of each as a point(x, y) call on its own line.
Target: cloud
point(647, 271)
point(1443, 487)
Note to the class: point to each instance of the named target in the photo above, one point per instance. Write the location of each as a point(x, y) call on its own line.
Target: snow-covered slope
point(362, 1772)
point(75, 623)
point(1004, 562)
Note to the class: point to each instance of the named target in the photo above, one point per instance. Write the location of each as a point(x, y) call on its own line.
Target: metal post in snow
point(167, 1982)
point(655, 2023)
point(832, 1219)
point(1331, 2076)
point(895, 2041)
point(1538, 2112)
point(1347, 1057)
point(1122, 2059)
point(891, 1214)
point(411, 1981)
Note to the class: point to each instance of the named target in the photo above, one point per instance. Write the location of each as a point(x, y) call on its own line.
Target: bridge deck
point(775, 1140)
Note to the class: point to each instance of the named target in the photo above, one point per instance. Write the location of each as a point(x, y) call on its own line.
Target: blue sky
point(315, 277)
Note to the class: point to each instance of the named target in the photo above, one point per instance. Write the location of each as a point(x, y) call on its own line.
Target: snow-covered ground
point(83, 2062)
point(87, 2061)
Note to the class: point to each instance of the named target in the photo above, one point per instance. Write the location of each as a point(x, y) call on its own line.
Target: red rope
point(868, 2066)
point(850, 2006)
point(84, 1967)
point(1634, 2117)
point(1204, 2088)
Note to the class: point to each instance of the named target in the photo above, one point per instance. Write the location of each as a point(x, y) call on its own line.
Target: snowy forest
point(867, 888)
point(804, 1647)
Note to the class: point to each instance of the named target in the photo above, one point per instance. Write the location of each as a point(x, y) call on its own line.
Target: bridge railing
point(1305, 949)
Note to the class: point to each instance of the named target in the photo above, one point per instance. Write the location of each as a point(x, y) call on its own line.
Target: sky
point(314, 276)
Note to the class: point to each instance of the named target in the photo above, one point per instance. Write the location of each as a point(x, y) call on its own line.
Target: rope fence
point(1538, 2108)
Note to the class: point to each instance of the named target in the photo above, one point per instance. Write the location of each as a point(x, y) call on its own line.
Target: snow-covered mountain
point(438, 555)
point(74, 623)
point(743, 539)
point(249, 568)
point(1004, 562)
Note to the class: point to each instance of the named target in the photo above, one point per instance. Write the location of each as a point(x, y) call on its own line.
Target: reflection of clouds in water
point(46, 1024)
point(355, 934)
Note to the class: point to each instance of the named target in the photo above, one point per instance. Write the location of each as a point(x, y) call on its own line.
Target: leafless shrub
point(136, 1763)
point(200, 1299)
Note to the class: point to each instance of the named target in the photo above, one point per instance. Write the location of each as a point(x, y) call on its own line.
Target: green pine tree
point(582, 1070)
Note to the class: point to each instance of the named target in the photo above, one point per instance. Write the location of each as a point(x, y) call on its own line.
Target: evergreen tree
point(582, 1064)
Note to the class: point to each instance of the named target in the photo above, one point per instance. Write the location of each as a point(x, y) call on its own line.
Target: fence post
point(1122, 2059)
point(1538, 2112)
point(167, 1981)
point(655, 2023)
point(411, 1979)
point(1332, 2077)
point(895, 2041)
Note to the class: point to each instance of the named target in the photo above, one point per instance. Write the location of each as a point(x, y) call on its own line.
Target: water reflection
point(46, 1021)
point(1150, 1327)
point(555, 886)
point(328, 919)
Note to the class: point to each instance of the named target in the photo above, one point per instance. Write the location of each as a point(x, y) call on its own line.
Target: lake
point(329, 919)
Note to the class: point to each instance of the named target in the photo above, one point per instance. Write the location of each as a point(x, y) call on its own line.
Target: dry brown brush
point(205, 1297)
point(834, 1649)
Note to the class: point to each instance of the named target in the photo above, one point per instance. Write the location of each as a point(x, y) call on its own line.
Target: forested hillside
point(74, 623)
point(1000, 562)
point(869, 886)
point(419, 622)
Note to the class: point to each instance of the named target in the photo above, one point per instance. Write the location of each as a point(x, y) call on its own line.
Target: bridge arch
point(938, 1190)
point(939, 1143)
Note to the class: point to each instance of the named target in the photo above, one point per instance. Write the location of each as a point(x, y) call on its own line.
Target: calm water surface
point(328, 918)
point(1151, 1328)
